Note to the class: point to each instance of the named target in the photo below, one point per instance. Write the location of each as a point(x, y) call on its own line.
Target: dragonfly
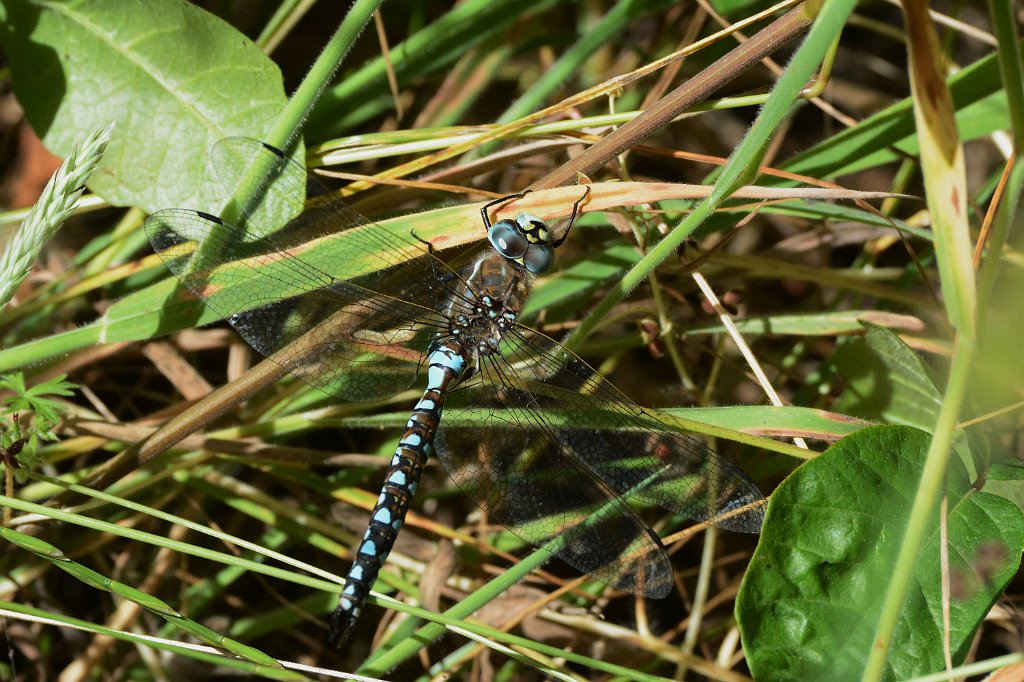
point(542, 442)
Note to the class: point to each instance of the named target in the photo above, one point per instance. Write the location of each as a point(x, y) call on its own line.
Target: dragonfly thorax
point(489, 305)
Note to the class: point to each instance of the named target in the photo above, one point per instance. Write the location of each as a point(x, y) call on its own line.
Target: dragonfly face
point(525, 240)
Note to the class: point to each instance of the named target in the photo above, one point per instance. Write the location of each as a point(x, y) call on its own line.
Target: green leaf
point(57, 385)
point(15, 383)
point(886, 380)
point(173, 77)
point(36, 399)
point(33, 544)
point(142, 599)
point(247, 652)
point(810, 602)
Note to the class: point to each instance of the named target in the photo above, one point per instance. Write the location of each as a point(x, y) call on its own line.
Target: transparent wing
point(551, 450)
point(520, 472)
point(337, 300)
point(629, 448)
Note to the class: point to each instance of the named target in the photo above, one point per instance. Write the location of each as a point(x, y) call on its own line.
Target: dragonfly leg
point(572, 218)
point(502, 200)
point(421, 240)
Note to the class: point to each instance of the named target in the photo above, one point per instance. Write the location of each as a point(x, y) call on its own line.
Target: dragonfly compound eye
point(507, 239)
point(539, 258)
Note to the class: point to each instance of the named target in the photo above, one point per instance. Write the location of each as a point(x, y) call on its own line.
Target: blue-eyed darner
point(543, 443)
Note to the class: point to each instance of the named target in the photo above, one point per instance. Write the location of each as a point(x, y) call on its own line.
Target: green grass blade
point(744, 160)
point(271, 671)
point(92, 578)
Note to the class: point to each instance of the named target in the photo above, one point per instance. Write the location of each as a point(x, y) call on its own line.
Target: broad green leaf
point(811, 599)
point(173, 77)
point(886, 380)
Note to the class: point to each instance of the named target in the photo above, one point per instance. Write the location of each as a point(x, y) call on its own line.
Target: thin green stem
point(380, 663)
point(932, 477)
point(284, 19)
point(1011, 64)
point(288, 124)
point(744, 161)
point(287, 128)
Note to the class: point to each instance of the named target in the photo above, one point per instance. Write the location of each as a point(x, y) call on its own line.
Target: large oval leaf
point(172, 77)
point(810, 602)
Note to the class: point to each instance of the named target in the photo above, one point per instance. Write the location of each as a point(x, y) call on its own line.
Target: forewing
point(341, 302)
point(628, 447)
point(523, 476)
point(340, 338)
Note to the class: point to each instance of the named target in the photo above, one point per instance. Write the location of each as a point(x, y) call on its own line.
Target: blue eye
point(539, 258)
point(507, 239)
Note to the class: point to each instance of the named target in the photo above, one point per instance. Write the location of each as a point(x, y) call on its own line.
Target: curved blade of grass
point(164, 307)
point(743, 162)
point(186, 523)
point(728, 423)
point(882, 136)
point(946, 187)
point(272, 671)
point(160, 541)
point(90, 577)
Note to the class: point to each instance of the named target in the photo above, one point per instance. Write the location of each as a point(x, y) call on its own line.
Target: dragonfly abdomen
point(447, 366)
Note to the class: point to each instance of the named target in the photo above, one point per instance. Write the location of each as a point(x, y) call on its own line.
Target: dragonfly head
point(525, 240)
